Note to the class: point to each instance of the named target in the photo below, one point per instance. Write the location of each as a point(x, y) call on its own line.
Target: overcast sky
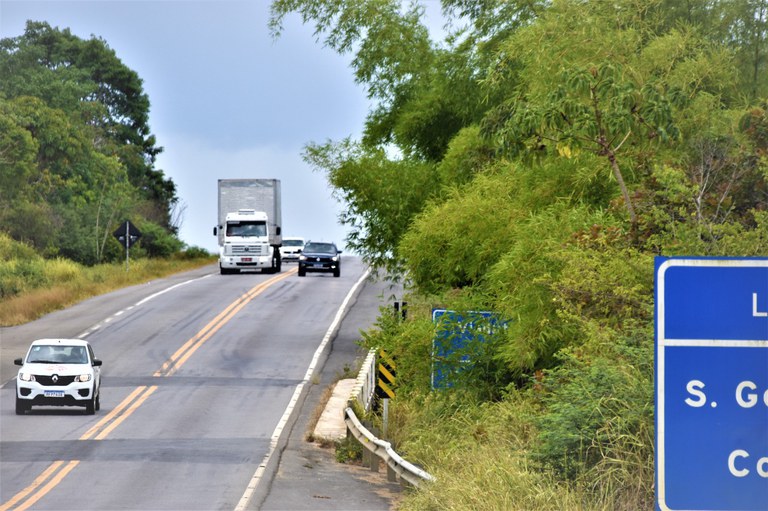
point(227, 101)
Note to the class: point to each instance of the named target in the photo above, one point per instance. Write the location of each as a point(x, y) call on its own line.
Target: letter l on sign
point(755, 313)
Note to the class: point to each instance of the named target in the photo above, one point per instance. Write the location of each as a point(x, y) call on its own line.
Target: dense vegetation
point(76, 153)
point(533, 164)
point(76, 160)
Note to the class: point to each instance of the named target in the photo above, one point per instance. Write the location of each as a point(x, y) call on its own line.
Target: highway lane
point(198, 375)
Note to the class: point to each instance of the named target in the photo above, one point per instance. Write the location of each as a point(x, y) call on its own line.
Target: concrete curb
point(331, 425)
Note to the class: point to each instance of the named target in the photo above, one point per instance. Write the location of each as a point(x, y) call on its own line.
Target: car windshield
point(322, 248)
point(293, 243)
point(46, 354)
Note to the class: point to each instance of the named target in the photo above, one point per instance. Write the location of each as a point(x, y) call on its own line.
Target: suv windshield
point(323, 248)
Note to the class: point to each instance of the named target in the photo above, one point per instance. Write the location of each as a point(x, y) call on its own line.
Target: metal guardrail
point(381, 449)
point(365, 386)
point(362, 394)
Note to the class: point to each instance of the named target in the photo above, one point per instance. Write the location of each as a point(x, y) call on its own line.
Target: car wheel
point(90, 406)
point(337, 272)
point(302, 272)
point(21, 406)
point(98, 402)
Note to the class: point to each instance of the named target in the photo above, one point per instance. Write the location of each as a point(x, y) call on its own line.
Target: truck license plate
point(53, 393)
point(247, 259)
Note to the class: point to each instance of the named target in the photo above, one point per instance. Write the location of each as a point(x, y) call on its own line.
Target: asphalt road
point(209, 382)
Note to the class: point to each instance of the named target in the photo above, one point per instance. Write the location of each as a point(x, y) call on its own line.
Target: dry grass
point(31, 305)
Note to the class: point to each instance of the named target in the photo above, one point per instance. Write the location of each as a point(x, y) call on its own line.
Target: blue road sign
point(456, 340)
point(711, 384)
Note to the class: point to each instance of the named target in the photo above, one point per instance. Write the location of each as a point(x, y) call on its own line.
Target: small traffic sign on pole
point(127, 234)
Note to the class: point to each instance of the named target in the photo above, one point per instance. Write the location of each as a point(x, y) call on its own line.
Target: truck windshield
point(246, 229)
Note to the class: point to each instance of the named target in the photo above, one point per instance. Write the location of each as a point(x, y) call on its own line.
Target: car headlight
point(26, 377)
point(302, 258)
point(335, 258)
point(84, 378)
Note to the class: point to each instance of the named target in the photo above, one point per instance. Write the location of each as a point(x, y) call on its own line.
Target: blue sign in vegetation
point(711, 384)
point(460, 339)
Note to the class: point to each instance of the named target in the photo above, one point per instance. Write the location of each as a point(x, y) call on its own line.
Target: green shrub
point(61, 270)
point(156, 241)
point(11, 249)
point(596, 407)
point(348, 450)
point(193, 253)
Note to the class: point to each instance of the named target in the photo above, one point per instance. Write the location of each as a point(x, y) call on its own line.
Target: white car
point(58, 372)
point(291, 249)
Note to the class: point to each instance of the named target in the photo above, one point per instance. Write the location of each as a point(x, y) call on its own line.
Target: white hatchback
point(58, 372)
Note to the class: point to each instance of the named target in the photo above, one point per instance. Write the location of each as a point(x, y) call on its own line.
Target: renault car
point(58, 372)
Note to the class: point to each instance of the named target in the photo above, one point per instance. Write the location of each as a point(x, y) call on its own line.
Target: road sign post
point(711, 384)
point(127, 234)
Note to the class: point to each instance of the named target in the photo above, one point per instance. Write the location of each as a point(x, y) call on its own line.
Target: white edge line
point(277, 433)
point(95, 327)
point(152, 296)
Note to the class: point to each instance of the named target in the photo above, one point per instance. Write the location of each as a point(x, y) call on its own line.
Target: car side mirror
point(18, 362)
point(96, 362)
point(215, 231)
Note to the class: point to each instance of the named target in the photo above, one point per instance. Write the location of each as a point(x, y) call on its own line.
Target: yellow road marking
point(176, 360)
point(116, 411)
point(39, 493)
point(133, 407)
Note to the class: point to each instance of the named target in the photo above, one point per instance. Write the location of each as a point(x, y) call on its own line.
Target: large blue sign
point(711, 384)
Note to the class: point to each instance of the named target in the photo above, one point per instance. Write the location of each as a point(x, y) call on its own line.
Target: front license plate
point(317, 265)
point(53, 393)
point(247, 259)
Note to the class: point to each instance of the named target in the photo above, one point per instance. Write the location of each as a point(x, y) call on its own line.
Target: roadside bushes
point(22, 269)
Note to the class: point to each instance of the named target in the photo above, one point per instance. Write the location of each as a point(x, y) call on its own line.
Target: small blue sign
point(458, 337)
point(711, 384)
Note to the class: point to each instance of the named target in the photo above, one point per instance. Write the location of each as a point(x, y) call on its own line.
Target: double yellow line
point(173, 364)
point(54, 474)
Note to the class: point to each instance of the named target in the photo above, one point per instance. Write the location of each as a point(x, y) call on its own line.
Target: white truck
point(249, 229)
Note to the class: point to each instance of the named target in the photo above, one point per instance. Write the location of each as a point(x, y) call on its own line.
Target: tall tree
point(85, 78)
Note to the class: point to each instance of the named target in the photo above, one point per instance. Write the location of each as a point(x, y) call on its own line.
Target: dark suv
point(320, 256)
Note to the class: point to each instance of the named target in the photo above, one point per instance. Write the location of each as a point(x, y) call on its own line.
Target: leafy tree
point(69, 198)
point(157, 242)
point(86, 79)
point(17, 156)
point(381, 195)
point(424, 97)
point(76, 153)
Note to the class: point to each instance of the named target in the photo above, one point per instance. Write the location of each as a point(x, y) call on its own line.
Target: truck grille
point(246, 250)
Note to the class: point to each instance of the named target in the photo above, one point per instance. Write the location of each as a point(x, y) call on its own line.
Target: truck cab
point(246, 243)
